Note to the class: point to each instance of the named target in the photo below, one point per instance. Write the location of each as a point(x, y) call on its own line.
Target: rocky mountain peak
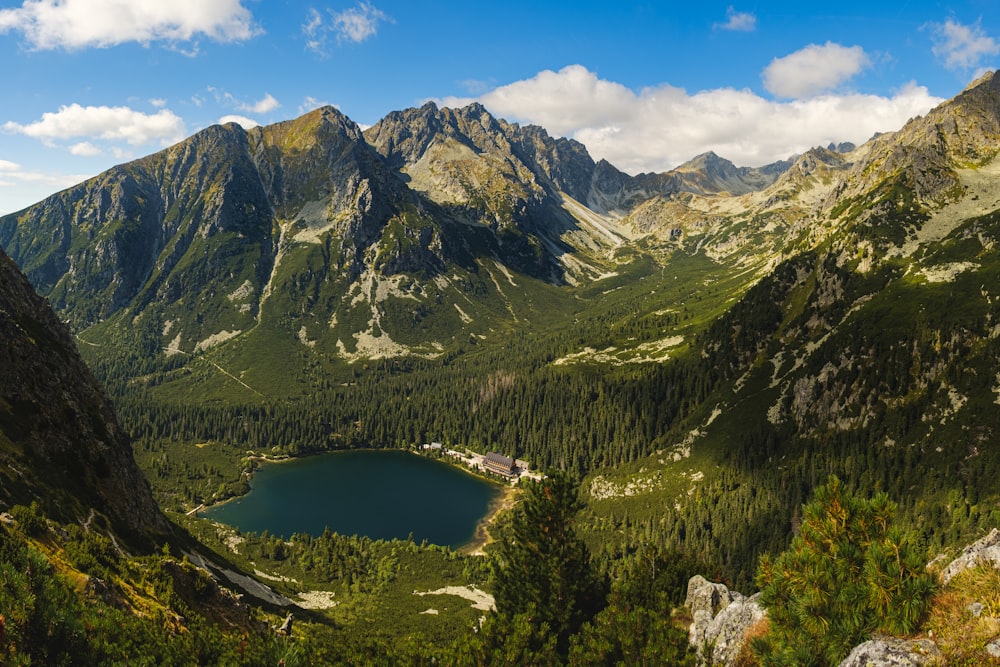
point(925, 153)
point(842, 147)
point(708, 161)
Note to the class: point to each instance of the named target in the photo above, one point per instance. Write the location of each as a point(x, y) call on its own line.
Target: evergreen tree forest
point(589, 419)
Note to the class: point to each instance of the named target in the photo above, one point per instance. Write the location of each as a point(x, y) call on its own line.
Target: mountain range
point(310, 247)
point(702, 346)
point(316, 209)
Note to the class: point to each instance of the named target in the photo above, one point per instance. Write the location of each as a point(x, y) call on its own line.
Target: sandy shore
point(504, 501)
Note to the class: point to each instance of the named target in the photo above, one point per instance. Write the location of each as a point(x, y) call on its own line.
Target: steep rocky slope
point(870, 352)
point(61, 443)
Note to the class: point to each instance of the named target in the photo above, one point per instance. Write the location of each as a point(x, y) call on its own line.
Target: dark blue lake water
point(381, 494)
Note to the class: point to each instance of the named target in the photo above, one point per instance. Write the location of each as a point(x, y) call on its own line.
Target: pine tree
point(847, 574)
point(542, 569)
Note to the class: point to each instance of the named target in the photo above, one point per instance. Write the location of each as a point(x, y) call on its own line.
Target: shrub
point(847, 574)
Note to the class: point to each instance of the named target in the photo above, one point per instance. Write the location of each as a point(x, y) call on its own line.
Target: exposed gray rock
point(976, 609)
point(891, 652)
point(984, 550)
point(993, 648)
point(721, 619)
point(703, 595)
point(726, 632)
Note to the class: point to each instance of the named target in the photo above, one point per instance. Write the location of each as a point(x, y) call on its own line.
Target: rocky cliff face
point(462, 158)
point(924, 155)
point(60, 440)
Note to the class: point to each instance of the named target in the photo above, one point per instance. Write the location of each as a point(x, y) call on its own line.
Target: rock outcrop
point(721, 620)
point(985, 550)
point(891, 652)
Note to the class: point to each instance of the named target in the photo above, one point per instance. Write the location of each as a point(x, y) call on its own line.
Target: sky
point(88, 84)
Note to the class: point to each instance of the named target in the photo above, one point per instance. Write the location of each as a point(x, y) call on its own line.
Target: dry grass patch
point(959, 634)
point(746, 658)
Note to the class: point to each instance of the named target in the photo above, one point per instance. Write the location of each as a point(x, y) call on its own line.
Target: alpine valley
point(701, 349)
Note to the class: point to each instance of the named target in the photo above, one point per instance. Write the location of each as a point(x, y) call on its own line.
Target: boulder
point(984, 550)
point(721, 619)
point(891, 652)
point(703, 595)
point(727, 631)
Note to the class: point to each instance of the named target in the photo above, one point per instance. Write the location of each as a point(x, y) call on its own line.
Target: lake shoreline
point(500, 498)
point(482, 536)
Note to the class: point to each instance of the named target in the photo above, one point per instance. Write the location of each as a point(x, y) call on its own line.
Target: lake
point(378, 493)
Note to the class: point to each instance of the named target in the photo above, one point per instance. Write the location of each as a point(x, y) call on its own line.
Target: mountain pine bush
point(847, 574)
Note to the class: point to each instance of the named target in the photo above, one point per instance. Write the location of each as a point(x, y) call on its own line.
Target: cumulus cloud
point(962, 46)
point(264, 105)
point(657, 128)
point(85, 149)
point(246, 123)
point(105, 123)
point(354, 25)
point(814, 69)
point(562, 101)
point(738, 21)
point(76, 24)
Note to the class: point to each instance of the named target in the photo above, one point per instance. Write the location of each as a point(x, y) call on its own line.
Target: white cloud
point(21, 187)
point(76, 24)
point(310, 103)
point(105, 123)
point(738, 21)
point(551, 99)
point(354, 25)
point(264, 105)
point(85, 149)
point(246, 123)
point(224, 98)
point(158, 102)
point(313, 30)
point(814, 69)
point(358, 23)
point(962, 46)
point(660, 127)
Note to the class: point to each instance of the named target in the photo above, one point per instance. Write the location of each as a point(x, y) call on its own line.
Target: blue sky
point(92, 83)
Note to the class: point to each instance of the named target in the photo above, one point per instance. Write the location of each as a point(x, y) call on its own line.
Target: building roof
point(500, 460)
